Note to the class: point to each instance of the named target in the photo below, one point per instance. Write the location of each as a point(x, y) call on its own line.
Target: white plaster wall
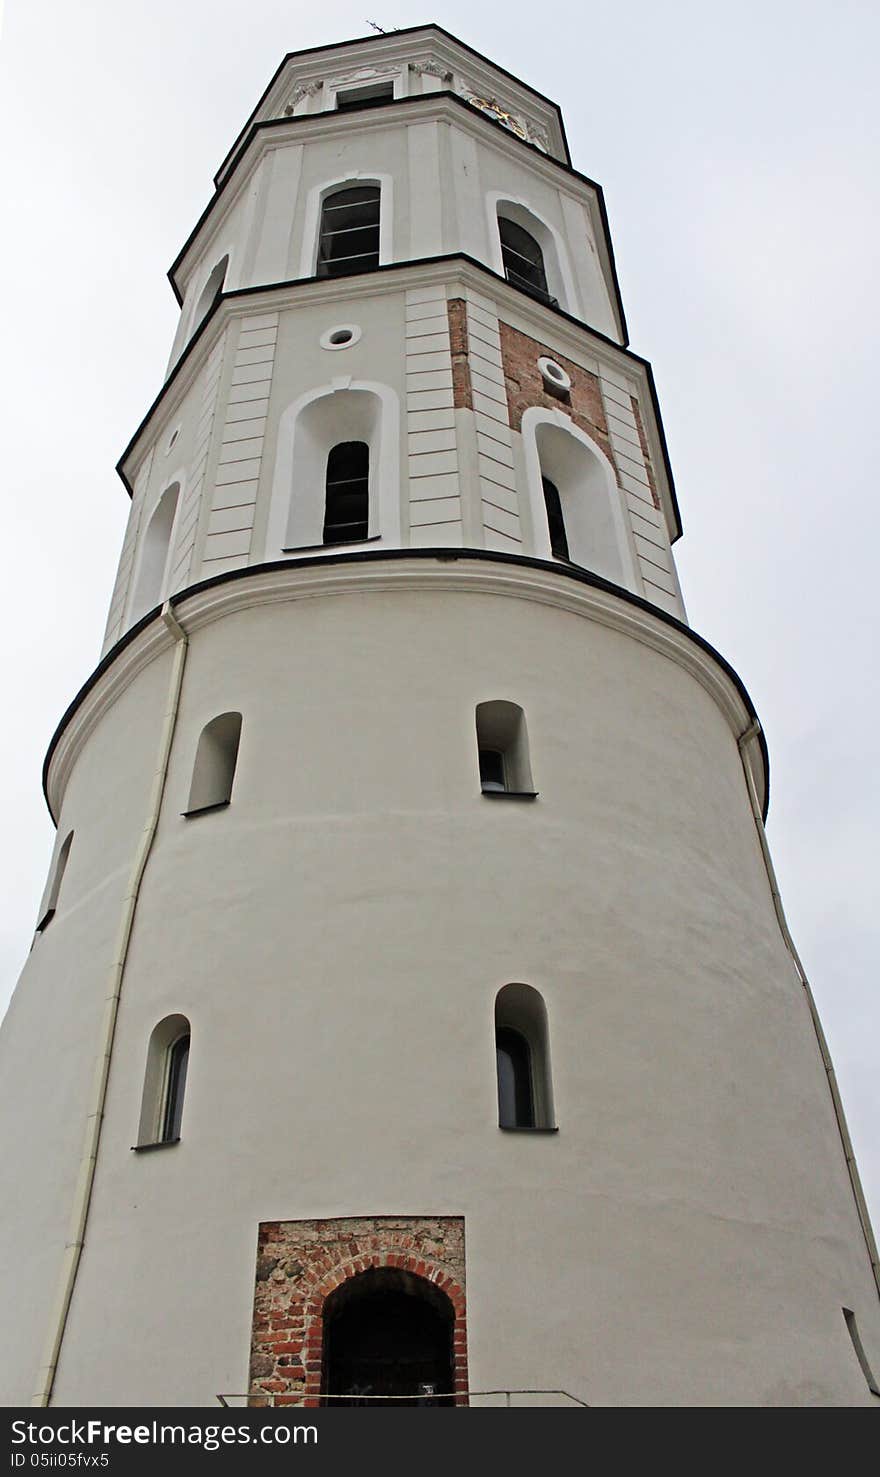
point(336, 938)
point(49, 1039)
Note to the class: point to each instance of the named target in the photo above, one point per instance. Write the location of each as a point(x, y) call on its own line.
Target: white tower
point(411, 1004)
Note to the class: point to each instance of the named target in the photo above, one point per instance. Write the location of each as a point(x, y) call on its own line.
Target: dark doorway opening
point(388, 1332)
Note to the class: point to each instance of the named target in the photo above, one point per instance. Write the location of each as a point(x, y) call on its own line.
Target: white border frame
point(538, 415)
point(387, 503)
point(308, 264)
point(495, 198)
point(178, 476)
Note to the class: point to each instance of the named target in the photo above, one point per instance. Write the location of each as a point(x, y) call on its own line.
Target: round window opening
point(554, 374)
point(171, 439)
point(340, 337)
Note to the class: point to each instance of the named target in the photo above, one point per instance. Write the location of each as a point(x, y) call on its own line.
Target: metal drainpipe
point(752, 732)
point(85, 1178)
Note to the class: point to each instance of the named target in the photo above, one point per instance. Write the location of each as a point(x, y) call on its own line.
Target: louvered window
point(349, 232)
point(523, 260)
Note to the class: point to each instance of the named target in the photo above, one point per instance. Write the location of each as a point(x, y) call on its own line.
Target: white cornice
point(425, 44)
point(447, 574)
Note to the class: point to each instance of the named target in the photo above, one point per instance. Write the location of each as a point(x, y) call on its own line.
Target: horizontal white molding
point(326, 578)
point(455, 277)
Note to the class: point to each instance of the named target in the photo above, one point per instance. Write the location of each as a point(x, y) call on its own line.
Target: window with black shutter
point(516, 1101)
point(555, 520)
point(364, 97)
point(347, 506)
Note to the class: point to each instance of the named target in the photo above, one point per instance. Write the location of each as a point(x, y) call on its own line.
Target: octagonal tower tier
point(411, 1011)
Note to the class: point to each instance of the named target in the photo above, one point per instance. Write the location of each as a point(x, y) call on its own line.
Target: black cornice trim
point(423, 99)
point(440, 556)
point(454, 256)
point(403, 31)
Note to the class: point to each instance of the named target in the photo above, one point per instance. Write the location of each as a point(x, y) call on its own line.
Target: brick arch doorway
point(388, 1332)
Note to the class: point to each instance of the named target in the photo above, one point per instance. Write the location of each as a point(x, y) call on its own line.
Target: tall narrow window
point(347, 503)
point(503, 750)
point(55, 885)
point(164, 1083)
point(523, 259)
point(175, 1085)
point(349, 232)
point(155, 551)
point(522, 1059)
point(214, 769)
point(555, 519)
point(516, 1103)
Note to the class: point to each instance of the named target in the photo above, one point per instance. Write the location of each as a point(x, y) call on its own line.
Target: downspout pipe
point(752, 732)
point(85, 1180)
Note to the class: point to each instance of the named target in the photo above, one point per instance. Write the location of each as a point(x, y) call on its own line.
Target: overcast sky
point(738, 151)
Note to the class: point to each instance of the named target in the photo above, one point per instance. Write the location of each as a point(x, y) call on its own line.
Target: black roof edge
point(420, 261)
point(443, 555)
point(402, 31)
point(250, 132)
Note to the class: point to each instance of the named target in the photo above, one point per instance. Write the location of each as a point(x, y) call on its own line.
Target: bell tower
point(411, 1011)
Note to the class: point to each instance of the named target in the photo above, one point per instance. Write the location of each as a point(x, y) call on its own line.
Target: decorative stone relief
point(305, 89)
point(538, 136)
point(363, 74)
point(430, 69)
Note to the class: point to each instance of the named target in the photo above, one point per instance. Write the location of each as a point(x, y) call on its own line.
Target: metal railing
point(260, 1399)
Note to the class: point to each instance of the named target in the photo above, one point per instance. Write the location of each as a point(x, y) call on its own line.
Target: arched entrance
point(388, 1332)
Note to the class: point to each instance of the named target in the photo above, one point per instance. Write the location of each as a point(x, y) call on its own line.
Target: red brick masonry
point(299, 1263)
point(458, 344)
point(525, 386)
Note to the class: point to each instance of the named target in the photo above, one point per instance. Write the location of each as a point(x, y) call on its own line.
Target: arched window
point(211, 291)
point(165, 1082)
point(349, 238)
point(336, 475)
point(155, 551)
point(214, 769)
point(530, 252)
point(522, 1059)
point(347, 502)
point(523, 259)
point(54, 890)
point(577, 508)
point(503, 750)
point(555, 519)
point(388, 1332)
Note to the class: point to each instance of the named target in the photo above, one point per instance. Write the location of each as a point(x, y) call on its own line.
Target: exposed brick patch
point(310, 1259)
point(643, 442)
point(458, 342)
point(525, 386)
